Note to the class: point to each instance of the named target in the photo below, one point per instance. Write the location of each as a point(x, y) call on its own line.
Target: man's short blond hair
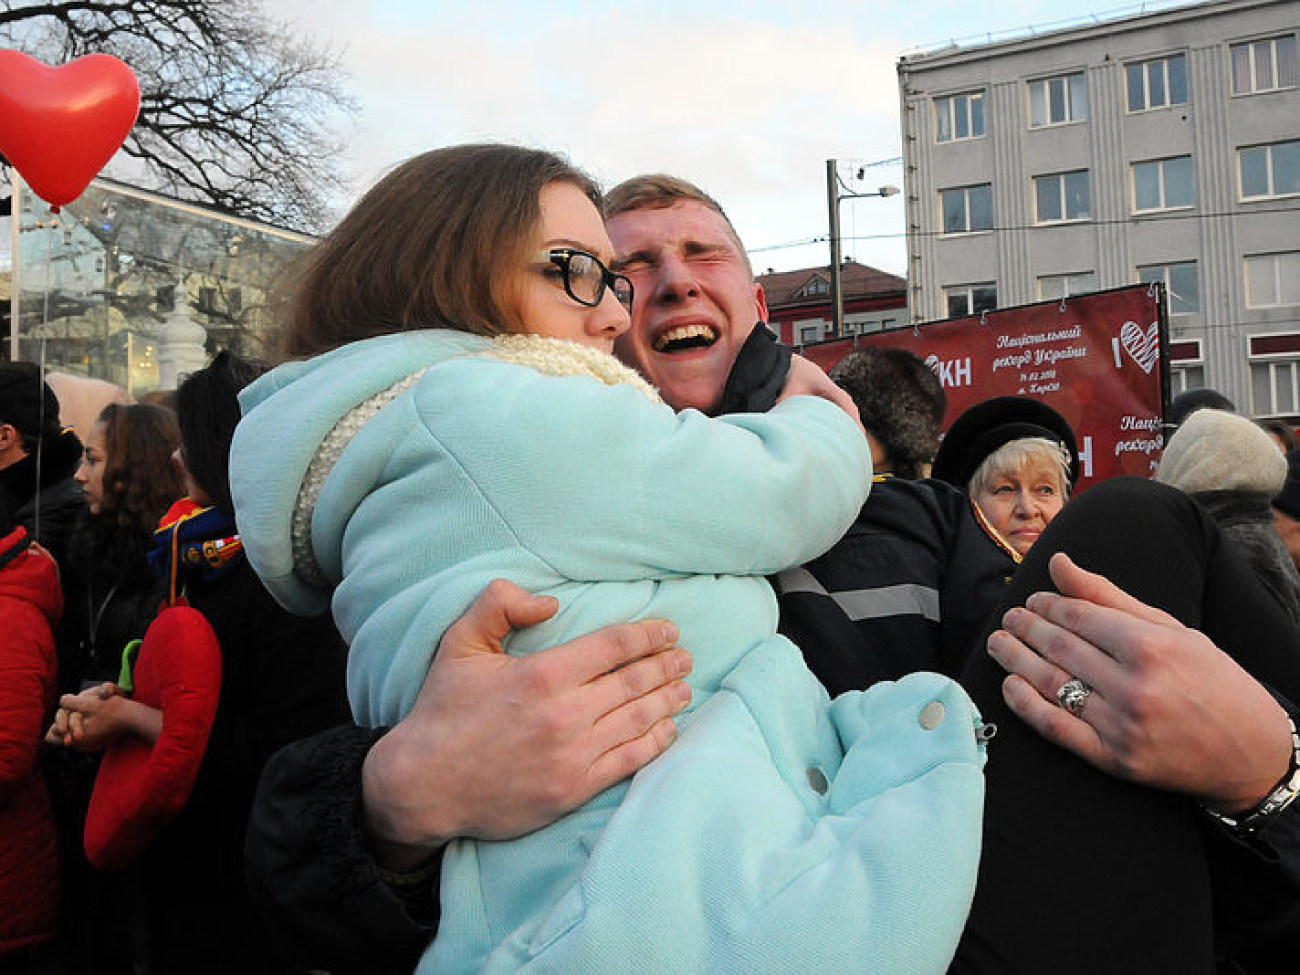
point(658, 191)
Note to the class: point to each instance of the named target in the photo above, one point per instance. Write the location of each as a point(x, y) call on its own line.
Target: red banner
point(1100, 360)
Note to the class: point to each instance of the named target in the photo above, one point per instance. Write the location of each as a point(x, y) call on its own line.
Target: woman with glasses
point(462, 420)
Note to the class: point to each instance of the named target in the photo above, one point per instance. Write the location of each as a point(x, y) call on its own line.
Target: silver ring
point(1073, 695)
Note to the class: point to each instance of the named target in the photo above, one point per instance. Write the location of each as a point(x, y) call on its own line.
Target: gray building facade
point(1160, 147)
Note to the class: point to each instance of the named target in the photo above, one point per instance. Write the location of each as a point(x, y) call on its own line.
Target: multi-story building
point(1161, 147)
point(799, 302)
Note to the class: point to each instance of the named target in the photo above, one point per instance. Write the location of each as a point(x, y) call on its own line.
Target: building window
point(863, 322)
point(1063, 196)
point(809, 330)
point(1056, 101)
point(970, 299)
point(1157, 84)
point(1274, 373)
point(1064, 285)
point(1186, 366)
point(1266, 65)
point(967, 209)
point(1272, 170)
point(816, 285)
point(959, 117)
point(1273, 387)
point(1183, 378)
point(1181, 281)
point(1273, 280)
point(1163, 184)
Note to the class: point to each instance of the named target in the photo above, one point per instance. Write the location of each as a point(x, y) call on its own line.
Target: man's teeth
point(695, 334)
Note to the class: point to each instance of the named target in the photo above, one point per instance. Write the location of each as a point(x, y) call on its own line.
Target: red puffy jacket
point(30, 604)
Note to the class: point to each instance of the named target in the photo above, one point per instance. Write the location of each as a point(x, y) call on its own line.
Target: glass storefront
point(137, 288)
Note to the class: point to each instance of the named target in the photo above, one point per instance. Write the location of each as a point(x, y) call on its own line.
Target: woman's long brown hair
point(437, 243)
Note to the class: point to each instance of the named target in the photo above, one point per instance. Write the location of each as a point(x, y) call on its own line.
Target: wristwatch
point(1282, 796)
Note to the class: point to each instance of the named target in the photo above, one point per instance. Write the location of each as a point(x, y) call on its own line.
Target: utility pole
point(833, 197)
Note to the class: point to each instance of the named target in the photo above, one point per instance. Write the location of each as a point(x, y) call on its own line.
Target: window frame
point(1163, 184)
point(1145, 67)
point(1062, 197)
point(949, 112)
point(1072, 113)
point(1174, 296)
point(968, 292)
point(1279, 275)
point(800, 328)
point(1066, 290)
point(1270, 171)
point(1276, 64)
point(815, 287)
point(967, 209)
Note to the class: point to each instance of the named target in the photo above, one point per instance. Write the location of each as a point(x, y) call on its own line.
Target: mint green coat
point(781, 832)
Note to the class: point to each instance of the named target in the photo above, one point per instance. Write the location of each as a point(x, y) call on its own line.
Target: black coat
point(282, 678)
point(907, 588)
point(46, 501)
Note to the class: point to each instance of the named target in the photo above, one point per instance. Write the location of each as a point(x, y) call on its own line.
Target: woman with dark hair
point(129, 481)
point(281, 678)
point(463, 421)
point(111, 596)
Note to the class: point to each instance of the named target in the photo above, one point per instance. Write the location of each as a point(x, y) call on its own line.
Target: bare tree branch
point(234, 112)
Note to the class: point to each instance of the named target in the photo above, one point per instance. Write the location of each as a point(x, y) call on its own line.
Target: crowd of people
point(144, 520)
point(789, 683)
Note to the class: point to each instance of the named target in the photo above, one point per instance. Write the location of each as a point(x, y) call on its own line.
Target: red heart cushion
point(60, 126)
point(141, 787)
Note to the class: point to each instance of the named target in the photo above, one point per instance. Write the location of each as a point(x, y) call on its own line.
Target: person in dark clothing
point(1286, 508)
point(37, 459)
point(128, 481)
point(111, 596)
point(696, 314)
point(1230, 467)
point(901, 404)
point(281, 678)
point(914, 578)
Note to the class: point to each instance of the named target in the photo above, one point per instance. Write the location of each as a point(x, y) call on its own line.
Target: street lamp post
point(833, 197)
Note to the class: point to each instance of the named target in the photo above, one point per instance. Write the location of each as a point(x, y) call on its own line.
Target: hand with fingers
point(1133, 691)
point(497, 746)
point(806, 378)
point(93, 719)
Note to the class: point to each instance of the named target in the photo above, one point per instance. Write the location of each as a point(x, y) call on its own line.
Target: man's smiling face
point(696, 300)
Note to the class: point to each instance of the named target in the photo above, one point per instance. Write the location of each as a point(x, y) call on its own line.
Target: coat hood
point(267, 469)
point(29, 574)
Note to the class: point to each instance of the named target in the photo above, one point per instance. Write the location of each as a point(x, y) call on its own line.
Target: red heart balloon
point(60, 126)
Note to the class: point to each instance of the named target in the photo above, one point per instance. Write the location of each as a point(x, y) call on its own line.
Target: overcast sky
point(748, 99)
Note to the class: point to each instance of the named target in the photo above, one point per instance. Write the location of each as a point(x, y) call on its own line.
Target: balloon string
point(40, 392)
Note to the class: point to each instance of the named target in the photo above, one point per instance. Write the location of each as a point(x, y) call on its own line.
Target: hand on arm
point(1169, 709)
point(807, 379)
point(95, 718)
point(497, 746)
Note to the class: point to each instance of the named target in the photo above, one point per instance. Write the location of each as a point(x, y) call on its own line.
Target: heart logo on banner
point(1143, 346)
point(60, 126)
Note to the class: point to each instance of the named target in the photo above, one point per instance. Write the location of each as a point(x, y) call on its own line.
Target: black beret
point(992, 424)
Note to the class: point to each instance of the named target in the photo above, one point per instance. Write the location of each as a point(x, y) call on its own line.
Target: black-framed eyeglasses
point(586, 278)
